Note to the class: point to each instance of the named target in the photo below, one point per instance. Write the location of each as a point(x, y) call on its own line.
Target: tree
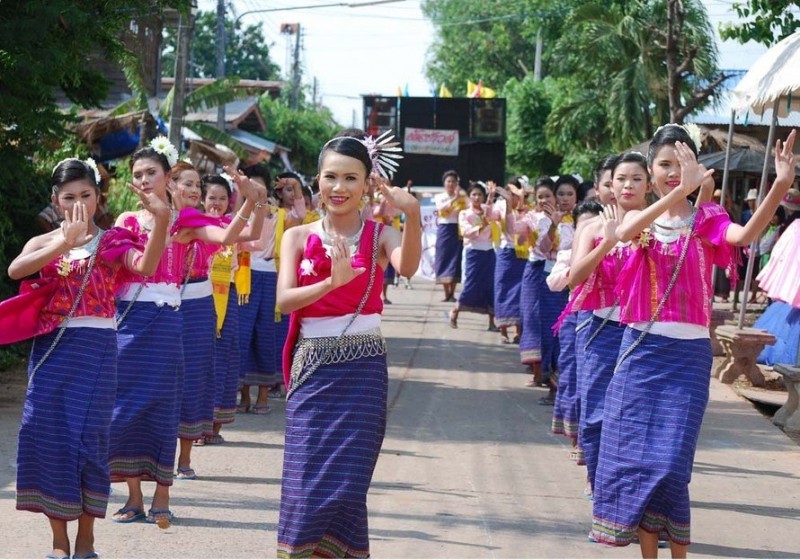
point(246, 51)
point(772, 21)
point(32, 71)
point(305, 130)
point(489, 40)
point(526, 145)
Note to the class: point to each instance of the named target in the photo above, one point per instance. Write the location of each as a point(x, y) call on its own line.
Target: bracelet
point(238, 215)
point(260, 204)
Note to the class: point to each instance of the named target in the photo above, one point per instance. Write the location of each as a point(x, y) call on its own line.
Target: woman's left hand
point(399, 198)
point(785, 159)
point(246, 187)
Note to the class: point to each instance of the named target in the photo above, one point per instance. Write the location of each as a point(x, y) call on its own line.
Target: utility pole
point(185, 23)
point(221, 58)
point(314, 92)
point(294, 28)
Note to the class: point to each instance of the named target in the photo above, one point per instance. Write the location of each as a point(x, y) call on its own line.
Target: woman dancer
point(144, 425)
point(596, 264)
point(548, 229)
point(335, 372)
point(447, 255)
point(62, 461)
point(511, 256)
point(261, 326)
point(476, 229)
point(658, 394)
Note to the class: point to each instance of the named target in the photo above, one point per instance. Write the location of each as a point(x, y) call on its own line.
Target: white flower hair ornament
point(93, 165)
point(691, 129)
point(229, 180)
point(384, 151)
point(163, 146)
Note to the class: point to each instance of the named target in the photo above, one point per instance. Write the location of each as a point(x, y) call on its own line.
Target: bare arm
point(586, 258)
point(784, 168)
point(405, 257)
point(692, 175)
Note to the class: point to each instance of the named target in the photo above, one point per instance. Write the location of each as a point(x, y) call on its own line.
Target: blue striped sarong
point(598, 361)
point(584, 319)
point(335, 423)
point(447, 258)
point(508, 272)
point(144, 426)
point(389, 275)
point(226, 362)
point(62, 459)
point(199, 385)
point(540, 311)
point(653, 411)
point(565, 417)
point(257, 332)
point(478, 293)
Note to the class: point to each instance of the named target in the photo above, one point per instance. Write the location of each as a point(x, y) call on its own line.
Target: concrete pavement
point(469, 468)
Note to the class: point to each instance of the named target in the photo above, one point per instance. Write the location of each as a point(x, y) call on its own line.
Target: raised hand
point(548, 210)
point(75, 227)
point(503, 192)
point(399, 198)
point(245, 186)
point(150, 201)
point(692, 173)
point(342, 270)
point(609, 220)
point(785, 160)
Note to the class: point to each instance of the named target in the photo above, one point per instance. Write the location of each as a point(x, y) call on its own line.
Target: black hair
point(475, 186)
point(349, 146)
point(149, 152)
point(605, 164)
point(588, 207)
point(546, 182)
point(668, 135)
point(516, 182)
point(568, 180)
point(308, 192)
point(207, 180)
point(583, 190)
point(72, 169)
point(289, 175)
point(314, 185)
point(351, 133)
point(450, 173)
point(631, 157)
point(258, 170)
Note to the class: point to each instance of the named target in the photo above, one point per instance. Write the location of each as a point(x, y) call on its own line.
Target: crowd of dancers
point(610, 300)
point(223, 282)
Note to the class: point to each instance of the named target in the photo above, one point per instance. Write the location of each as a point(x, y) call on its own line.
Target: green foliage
point(526, 146)
point(45, 46)
point(246, 50)
point(120, 197)
point(489, 40)
point(765, 21)
point(304, 130)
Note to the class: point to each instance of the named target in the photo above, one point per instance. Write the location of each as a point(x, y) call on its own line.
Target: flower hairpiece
point(384, 153)
point(691, 129)
point(91, 163)
point(163, 146)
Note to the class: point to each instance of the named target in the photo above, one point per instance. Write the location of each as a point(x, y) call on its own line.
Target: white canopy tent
point(772, 83)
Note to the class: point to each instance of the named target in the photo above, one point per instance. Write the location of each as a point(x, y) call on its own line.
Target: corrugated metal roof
point(721, 115)
point(256, 141)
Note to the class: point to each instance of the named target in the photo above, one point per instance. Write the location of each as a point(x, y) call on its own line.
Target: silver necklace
point(352, 241)
point(671, 230)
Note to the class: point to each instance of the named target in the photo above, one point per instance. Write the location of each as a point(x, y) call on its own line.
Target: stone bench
point(742, 347)
point(788, 416)
point(719, 317)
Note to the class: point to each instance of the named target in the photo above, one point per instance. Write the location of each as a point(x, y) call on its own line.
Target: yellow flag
point(488, 93)
point(444, 92)
point(472, 89)
point(399, 92)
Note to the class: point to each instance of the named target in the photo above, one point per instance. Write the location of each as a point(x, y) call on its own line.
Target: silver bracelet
point(238, 215)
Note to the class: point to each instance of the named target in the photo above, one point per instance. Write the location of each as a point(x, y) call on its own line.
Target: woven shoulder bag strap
point(72, 310)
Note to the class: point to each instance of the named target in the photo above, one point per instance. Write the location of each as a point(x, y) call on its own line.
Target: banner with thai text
point(431, 141)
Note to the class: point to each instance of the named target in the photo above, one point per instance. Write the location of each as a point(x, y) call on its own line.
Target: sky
point(376, 49)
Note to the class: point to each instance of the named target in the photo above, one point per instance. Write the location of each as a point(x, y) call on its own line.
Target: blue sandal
point(138, 515)
point(161, 517)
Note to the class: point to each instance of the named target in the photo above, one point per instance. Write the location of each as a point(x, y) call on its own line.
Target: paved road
point(469, 468)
